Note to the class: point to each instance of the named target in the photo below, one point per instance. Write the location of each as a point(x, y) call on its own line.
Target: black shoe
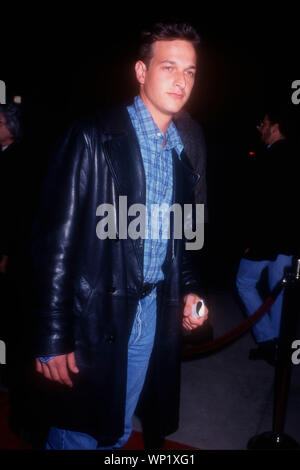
point(266, 351)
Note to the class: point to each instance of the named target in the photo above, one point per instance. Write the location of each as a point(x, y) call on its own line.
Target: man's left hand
point(189, 322)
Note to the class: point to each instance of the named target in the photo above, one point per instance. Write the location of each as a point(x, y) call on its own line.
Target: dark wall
point(65, 68)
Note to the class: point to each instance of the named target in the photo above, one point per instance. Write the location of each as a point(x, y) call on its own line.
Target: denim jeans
point(248, 275)
point(139, 351)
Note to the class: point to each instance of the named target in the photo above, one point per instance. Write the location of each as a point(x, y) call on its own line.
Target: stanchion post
point(276, 439)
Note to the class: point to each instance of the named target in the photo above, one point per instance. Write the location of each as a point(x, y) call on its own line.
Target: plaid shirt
point(158, 165)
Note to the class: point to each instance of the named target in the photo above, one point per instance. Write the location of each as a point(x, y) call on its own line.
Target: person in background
point(10, 137)
point(270, 230)
point(11, 157)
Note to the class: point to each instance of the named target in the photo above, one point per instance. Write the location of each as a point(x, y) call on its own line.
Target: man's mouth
point(176, 95)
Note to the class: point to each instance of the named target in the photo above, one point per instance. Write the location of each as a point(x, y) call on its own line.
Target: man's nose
point(180, 80)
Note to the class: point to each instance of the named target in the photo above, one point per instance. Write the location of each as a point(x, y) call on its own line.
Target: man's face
point(265, 128)
point(5, 135)
point(168, 81)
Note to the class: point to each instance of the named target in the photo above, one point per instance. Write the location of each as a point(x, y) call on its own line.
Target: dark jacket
point(193, 139)
point(86, 290)
point(271, 211)
point(11, 196)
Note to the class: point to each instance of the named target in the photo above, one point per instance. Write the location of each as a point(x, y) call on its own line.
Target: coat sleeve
point(191, 282)
point(53, 244)
point(193, 220)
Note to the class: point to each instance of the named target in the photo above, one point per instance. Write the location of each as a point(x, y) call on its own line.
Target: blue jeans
point(139, 351)
point(248, 275)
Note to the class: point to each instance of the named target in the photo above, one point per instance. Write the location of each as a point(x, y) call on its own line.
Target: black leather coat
point(87, 289)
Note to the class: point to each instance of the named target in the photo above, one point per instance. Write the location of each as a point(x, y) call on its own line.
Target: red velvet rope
point(191, 351)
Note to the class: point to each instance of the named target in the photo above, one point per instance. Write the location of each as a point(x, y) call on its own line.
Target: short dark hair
point(12, 114)
point(165, 32)
point(280, 117)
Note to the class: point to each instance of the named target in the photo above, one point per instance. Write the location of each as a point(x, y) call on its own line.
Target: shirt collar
point(151, 129)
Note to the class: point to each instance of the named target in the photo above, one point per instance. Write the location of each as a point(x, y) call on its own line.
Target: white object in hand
point(198, 309)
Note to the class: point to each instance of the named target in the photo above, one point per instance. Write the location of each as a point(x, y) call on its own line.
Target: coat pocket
point(84, 293)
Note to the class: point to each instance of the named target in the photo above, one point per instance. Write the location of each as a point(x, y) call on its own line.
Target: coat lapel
point(126, 165)
point(184, 177)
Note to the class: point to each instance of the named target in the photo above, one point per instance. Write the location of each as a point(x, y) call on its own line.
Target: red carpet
point(136, 443)
point(10, 441)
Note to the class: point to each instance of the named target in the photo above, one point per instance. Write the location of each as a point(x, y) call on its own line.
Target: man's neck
point(161, 120)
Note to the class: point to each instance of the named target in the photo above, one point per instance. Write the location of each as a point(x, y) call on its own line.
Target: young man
point(109, 309)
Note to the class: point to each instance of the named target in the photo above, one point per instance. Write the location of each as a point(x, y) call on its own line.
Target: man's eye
point(190, 73)
point(169, 68)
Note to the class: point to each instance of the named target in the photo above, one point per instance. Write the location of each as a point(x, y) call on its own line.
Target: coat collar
point(115, 120)
point(126, 156)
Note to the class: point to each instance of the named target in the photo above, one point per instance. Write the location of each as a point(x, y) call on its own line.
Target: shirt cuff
point(46, 358)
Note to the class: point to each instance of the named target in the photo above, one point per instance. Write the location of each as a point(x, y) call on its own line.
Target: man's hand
point(59, 368)
point(189, 322)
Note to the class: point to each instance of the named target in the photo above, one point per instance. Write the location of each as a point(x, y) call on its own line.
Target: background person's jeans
point(248, 275)
point(139, 350)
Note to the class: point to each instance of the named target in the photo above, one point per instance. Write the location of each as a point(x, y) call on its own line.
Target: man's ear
point(140, 71)
point(275, 128)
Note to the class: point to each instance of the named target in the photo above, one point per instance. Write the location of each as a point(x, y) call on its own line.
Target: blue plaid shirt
point(158, 165)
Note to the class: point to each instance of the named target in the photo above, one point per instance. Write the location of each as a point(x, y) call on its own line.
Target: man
point(109, 311)
point(270, 231)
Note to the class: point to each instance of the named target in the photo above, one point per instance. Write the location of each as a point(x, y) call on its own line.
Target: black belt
point(147, 289)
